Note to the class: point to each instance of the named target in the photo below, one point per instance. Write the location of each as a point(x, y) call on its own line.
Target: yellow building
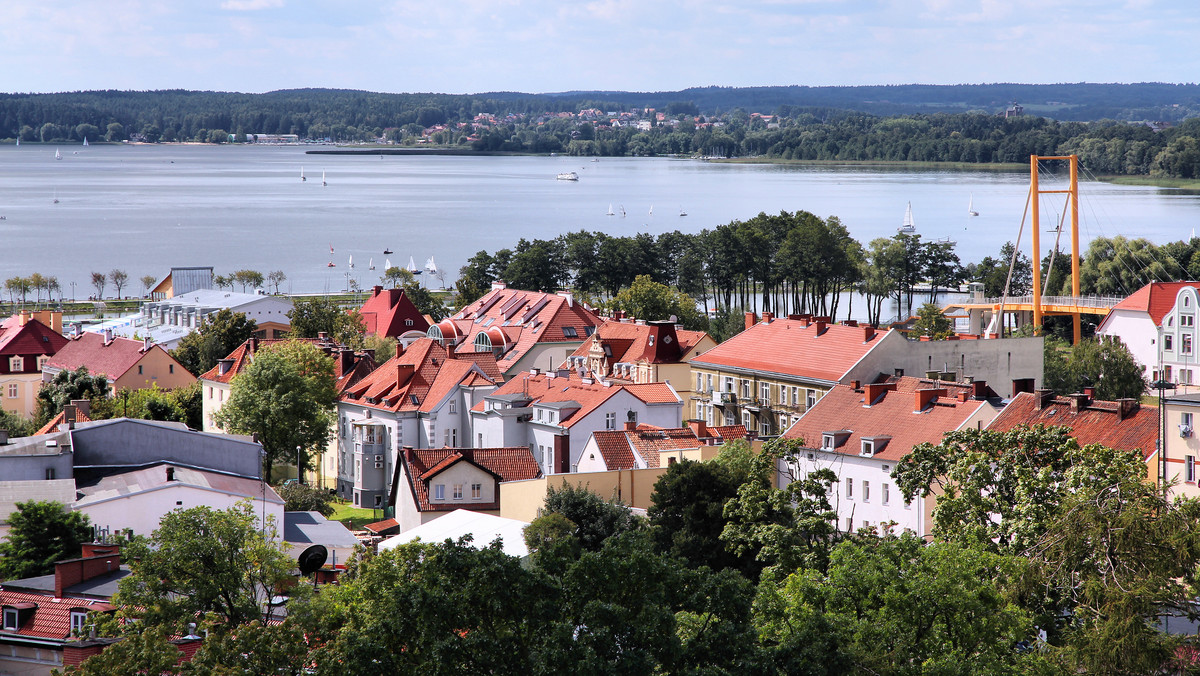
point(27, 341)
point(127, 364)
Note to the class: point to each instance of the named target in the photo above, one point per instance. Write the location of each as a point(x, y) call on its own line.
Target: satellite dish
point(312, 559)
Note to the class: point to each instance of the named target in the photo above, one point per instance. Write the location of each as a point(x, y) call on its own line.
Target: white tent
point(483, 528)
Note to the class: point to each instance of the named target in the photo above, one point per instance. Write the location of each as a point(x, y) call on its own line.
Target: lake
point(145, 208)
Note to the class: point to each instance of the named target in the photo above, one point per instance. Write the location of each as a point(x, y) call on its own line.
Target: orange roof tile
point(51, 617)
point(346, 374)
point(546, 388)
point(631, 342)
point(1096, 423)
point(31, 339)
point(892, 414)
point(1155, 299)
point(421, 377)
point(388, 313)
point(505, 464)
point(795, 348)
point(59, 419)
point(113, 359)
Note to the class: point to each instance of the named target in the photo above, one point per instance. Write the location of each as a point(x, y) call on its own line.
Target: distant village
point(479, 416)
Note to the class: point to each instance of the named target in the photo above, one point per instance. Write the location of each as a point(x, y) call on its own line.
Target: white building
point(168, 320)
point(1158, 325)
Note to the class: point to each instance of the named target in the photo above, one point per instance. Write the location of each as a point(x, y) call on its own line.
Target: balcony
point(725, 398)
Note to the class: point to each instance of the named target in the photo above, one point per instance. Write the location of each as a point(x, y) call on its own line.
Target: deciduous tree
point(118, 278)
point(221, 333)
point(312, 316)
point(40, 534)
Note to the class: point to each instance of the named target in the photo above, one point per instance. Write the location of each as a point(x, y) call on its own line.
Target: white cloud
point(250, 5)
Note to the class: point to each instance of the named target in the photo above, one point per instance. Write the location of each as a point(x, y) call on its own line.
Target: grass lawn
point(354, 517)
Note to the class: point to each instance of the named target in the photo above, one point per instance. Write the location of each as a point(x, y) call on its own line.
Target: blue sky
point(467, 46)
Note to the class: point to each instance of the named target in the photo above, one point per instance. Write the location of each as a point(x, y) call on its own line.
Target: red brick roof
point(359, 366)
point(505, 464)
point(1096, 423)
point(1155, 299)
point(386, 311)
point(630, 342)
point(32, 339)
point(426, 371)
point(545, 388)
point(59, 419)
point(112, 360)
point(794, 347)
point(51, 617)
point(384, 526)
point(893, 413)
point(532, 317)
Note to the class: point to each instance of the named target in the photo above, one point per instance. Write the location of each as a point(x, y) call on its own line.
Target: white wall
point(1139, 334)
point(142, 511)
point(858, 507)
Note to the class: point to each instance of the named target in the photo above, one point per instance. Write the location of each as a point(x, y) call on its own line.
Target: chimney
point(535, 371)
point(1079, 402)
point(252, 344)
point(926, 396)
point(850, 322)
point(108, 338)
point(84, 406)
point(1044, 397)
point(69, 416)
point(699, 428)
point(979, 389)
point(821, 325)
point(170, 473)
point(767, 317)
point(855, 384)
point(450, 349)
point(322, 335)
point(569, 296)
point(223, 366)
point(1020, 385)
point(962, 395)
point(375, 290)
point(1126, 408)
point(630, 426)
point(563, 373)
point(1089, 391)
point(24, 318)
point(345, 360)
point(499, 285)
point(76, 330)
point(146, 344)
point(873, 391)
point(751, 320)
point(868, 332)
point(404, 372)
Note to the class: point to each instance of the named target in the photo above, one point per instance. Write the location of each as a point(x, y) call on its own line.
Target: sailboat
point(56, 196)
point(330, 265)
point(682, 212)
point(18, 141)
point(351, 263)
point(412, 266)
point(622, 211)
point(971, 207)
point(323, 177)
point(430, 266)
point(57, 155)
point(610, 211)
point(85, 143)
point(651, 209)
point(909, 226)
point(302, 179)
point(387, 264)
point(371, 264)
point(331, 247)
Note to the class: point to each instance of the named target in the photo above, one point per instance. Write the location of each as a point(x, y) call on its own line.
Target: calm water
point(147, 208)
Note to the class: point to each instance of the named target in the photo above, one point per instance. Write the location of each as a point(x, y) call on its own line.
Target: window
point(476, 491)
point(539, 415)
point(1187, 320)
point(479, 444)
point(782, 395)
point(1185, 419)
point(1168, 342)
point(795, 396)
point(1185, 376)
point(746, 420)
point(610, 421)
point(139, 369)
point(764, 426)
point(868, 448)
point(13, 391)
point(16, 364)
point(570, 332)
point(728, 383)
point(708, 382)
point(849, 524)
point(1189, 468)
point(1185, 343)
point(49, 474)
point(170, 368)
point(454, 407)
point(439, 491)
point(41, 362)
point(850, 488)
point(699, 382)
point(764, 392)
point(10, 618)
point(454, 437)
point(78, 620)
point(408, 322)
point(446, 437)
point(866, 491)
point(729, 419)
point(458, 491)
point(886, 494)
point(746, 388)
point(811, 399)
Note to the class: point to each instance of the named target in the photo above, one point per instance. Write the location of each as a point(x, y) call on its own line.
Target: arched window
point(434, 332)
point(483, 343)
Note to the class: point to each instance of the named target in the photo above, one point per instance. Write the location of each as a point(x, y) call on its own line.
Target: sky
point(472, 46)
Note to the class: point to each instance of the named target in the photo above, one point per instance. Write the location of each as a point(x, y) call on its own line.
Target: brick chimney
point(252, 344)
point(345, 360)
point(450, 349)
point(404, 373)
point(979, 389)
point(1020, 385)
point(926, 396)
point(84, 406)
point(767, 317)
point(874, 391)
point(751, 319)
point(821, 325)
point(699, 428)
point(1044, 397)
point(1079, 401)
point(630, 426)
point(868, 332)
point(1126, 408)
point(69, 414)
point(375, 290)
point(499, 285)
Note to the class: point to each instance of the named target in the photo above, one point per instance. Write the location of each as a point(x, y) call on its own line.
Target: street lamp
point(1162, 386)
point(299, 472)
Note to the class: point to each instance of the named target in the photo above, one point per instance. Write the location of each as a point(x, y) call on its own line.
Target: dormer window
point(834, 439)
point(16, 364)
point(11, 619)
point(868, 448)
point(828, 441)
point(873, 445)
point(78, 621)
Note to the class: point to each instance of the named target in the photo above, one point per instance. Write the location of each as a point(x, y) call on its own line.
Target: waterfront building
point(1158, 325)
point(167, 321)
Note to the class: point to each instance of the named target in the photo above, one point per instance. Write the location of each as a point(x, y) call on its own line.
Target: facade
point(128, 364)
point(167, 321)
point(389, 313)
point(523, 329)
point(1181, 415)
point(554, 414)
point(182, 280)
point(27, 341)
point(859, 431)
point(421, 399)
point(1158, 325)
point(630, 351)
point(437, 481)
point(644, 446)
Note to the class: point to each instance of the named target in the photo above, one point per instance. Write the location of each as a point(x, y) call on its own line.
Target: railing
point(727, 397)
point(1078, 301)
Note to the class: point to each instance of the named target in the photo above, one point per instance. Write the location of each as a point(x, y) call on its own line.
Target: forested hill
point(318, 112)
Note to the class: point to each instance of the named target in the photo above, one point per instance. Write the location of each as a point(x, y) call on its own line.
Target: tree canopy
point(40, 534)
point(313, 316)
point(221, 333)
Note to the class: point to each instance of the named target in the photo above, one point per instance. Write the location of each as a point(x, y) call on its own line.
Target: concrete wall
point(522, 499)
point(142, 511)
point(124, 442)
point(998, 362)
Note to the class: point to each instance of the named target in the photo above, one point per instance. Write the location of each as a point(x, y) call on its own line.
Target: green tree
point(219, 335)
point(147, 282)
point(993, 273)
point(687, 514)
point(397, 277)
point(285, 397)
point(311, 316)
point(595, 518)
point(1103, 363)
point(151, 133)
point(275, 278)
point(17, 287)
point(66, 386)
point(40, 534)
point(298, 497)
point(932, 322)
point(116, 132)
point(218, 136)
point(248, 278)
point(138, 652)
point(203, 560)
point(99, 281)
point(647, 299)
point(16, 425)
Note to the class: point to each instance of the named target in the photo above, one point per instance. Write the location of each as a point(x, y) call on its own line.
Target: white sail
point(323, 177)
point(651, 209)
point(371, 264)
point(971, 206)
point(610, 211)
point(412, 266)
point(387, 264)
point(85, 142)
point(909, 225)
point(430, 266)
point(302, 174)
point(57, 155)
point(351, 263)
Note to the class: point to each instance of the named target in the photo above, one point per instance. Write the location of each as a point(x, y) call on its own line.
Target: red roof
point(389, 312)
point(59, 419)
point(1096, 422)
point(346, 371)
point(505, 464)
point(620, 448)
point(893, 416)
point(426, 372)
point(546, 388)
point(51, 617)
point(522, 319)
point(1155, 299)
point(32, 339)
point(113, 359)
point(795, 347)
point(630, 342)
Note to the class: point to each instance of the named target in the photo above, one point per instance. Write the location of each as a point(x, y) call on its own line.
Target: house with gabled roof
point(1158, 325)
point(554, 414)
point(861, 430)
point(523, 329)
point(629, 351)
point(643, 446)
point(27, 341)
point(436, 481)
point(127, 364)
point(390, 313)
point(420, 398)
